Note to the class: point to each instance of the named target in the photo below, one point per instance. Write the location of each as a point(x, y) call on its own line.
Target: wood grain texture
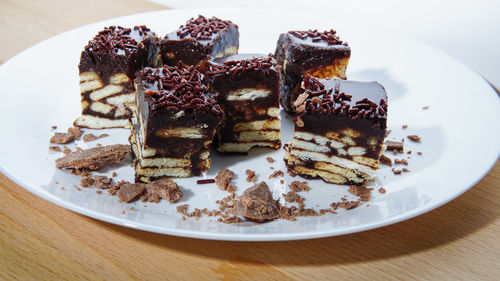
point(42, 241)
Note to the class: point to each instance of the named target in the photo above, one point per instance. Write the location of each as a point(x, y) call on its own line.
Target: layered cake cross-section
point(198, 38)
point(174, 123)
point(108, 66)
point(339, 130)
point(319, 54)
point(248, 91)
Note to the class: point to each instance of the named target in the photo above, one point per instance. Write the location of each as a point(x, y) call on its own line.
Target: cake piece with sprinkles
point(319, 54)
point(198, 38)
point(339, 130)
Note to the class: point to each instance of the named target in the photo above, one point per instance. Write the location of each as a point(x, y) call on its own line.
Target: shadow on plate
point(451, 222)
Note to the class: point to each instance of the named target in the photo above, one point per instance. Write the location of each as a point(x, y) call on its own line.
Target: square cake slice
point(248, 91)
point(319, 54)
point(108, 66)
point(174, 123)
point(199, 38)
point(339, 130)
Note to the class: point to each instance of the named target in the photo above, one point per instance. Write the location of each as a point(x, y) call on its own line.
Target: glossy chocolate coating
point(193, 49)
point(119, 50)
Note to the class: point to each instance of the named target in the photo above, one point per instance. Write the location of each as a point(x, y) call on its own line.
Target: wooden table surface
point(39, 240)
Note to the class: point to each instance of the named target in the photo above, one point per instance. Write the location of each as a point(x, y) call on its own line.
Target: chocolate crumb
point(251, 177)
point(397, 172)
point(381, 190)
point(55, 148)
point(62, 187)
point(123, 212)
point(182, 208)
point(276, 174)
point(75, 131)
point(272, 168)
point(66, 150)
point(291, 173)
point(231, 220)
point(361, 191)
point(282, 181)
point(257, 203)
point(114, 174)
point(53, 127)
point(128, 192)
point(77, 188)
point(166, 189)
point(414, 138)
point(89, 137)
point(205, 181)
point(62, 138)
point(425, 107)
point(404, 126)
point(406, 170)
point(291, 196)
point(385, 160)
point(299, 122)
point(395, 145)
point(94, 158)
point(298, 186)
point(223, 178)
point(409, 152)
point(270, 159)
point(133, 209)
point(98, 144)
point(98, 192)
point(419, 152)
point(102, 182)
point(348, 205)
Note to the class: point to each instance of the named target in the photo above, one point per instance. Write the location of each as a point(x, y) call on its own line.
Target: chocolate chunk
point(182, 208)
point(414, 138)
point(251, 177)
point(395, 145)
point(276, 174)
point(257, 204)
point(102, 182)
point(94, 158)
point(130, 191)
point(166, 189)
point(270, 159)
point(231, 220)
point(385, 160)
point(381, 190)
point(75, 131)
point(361, 191)
point(62, 138)
point(298, 186)
point(291, 196)
point(223, 178)
point(87, 180)
point(55, 148)
point(348, 205)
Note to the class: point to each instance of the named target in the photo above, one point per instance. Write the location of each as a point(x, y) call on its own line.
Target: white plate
point(460, 130)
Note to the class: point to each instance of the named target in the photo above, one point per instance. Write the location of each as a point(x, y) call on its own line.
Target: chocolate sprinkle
point(330, 37)
point(202, 28)
point(115, 38)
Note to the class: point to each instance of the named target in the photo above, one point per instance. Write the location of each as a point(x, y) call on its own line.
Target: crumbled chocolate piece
point(128, 192)
point(77, 188)
point(66, 150)
point(114, 174)
point(55, 148)
point(62, 138)
point(86, 180)
point(251, 177)
point(381, 190)
point(166, 189)
point(282, 181)
point(298, 186)
point(409, 152)
point(231, 220)
point(414, 138)
point(257, 204)
point(102, 182)
point(89, 137)
point(385, 160)
point(276, 174)
point(397, 172)
point(291, 173)
point(53, 127)
point(98, 192)
point(223, 178)
point(291, 196)
point(231, 188)
point(270, 159)
point(419, 152)
point(395, 145)
point(404, 126)
point(75, 131)
point(182, 208)
point(205, 181)
point(348, 205)
point(425, 107)
point(361, 191)
point(94, 158)
point(406, 170)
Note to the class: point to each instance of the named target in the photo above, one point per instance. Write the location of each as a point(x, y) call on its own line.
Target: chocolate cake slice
point(107, 70)
point(199, 38)
point(174, 123)
point(319, 54)
point(339, 130)
point(248, 91)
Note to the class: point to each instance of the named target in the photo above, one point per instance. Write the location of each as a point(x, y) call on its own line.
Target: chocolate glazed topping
point(119, 50)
